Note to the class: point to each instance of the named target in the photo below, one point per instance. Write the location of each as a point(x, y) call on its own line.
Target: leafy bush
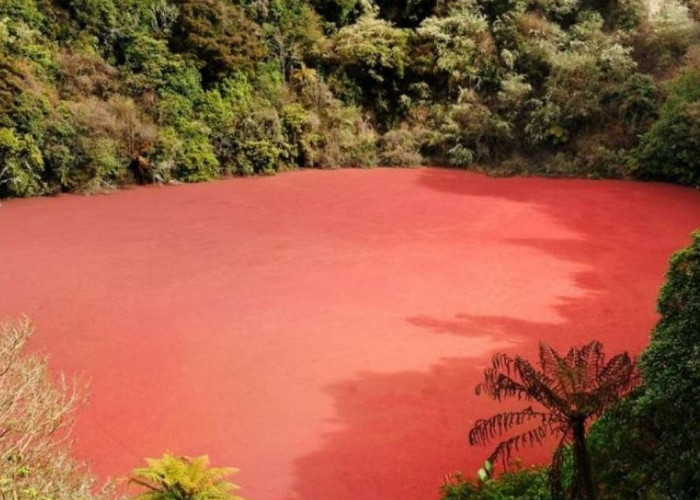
point(670, 150)
point(296, 123)
point(400, 147)
point(186, 153)
point(337, 135)
point(647, 447)
point(374, 54)
point(219, 34)
point(600, 162)
point(461, 44)
point(261, 157)
point(473, 126)
point(522, 483)
point(21, 165)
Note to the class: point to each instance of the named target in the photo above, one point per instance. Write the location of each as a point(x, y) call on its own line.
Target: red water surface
point(323, 330)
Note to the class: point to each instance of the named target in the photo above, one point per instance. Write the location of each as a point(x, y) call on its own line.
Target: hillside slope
point(100, 93)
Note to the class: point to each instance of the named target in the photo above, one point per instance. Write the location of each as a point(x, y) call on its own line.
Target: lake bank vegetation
point(97, 94)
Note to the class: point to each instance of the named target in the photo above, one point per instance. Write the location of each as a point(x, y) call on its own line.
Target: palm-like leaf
point(572, 389)
point(183, 478)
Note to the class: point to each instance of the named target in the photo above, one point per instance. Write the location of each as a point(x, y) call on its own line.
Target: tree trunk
point(583, 487)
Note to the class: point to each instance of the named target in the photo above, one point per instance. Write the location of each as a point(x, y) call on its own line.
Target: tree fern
point(183, 478)
point(573, 390)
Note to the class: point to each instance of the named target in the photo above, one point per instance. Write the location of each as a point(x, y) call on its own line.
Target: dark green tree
point(670, 150)
point(218, 34)
point(665, 414)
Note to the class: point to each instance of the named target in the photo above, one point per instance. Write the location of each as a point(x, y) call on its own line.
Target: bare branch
point(35, 420)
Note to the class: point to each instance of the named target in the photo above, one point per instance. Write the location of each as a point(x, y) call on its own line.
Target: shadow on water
point(398, 434)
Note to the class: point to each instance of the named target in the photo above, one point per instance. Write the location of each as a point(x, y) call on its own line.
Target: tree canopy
point(96, 94)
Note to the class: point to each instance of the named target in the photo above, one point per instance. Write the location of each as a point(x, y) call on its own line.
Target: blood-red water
point(323, 330)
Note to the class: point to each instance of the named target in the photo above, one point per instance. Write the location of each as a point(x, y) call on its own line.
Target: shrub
point(600, 162)
point(21, 165)
point(400, 147)
point(349, 142)
point(670, 150)
point(258, 157)
point(219, 34)
point(108, 138)
point(523, 483)
point(471, 132)
point(374, 55)
point(647, 447)
point(338, 135)
point(35, 418)
point(633, 104)
point(461, 44)
point(186, 153)
point(97, 166)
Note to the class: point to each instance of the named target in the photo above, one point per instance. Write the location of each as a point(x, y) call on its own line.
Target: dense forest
point(102, 93)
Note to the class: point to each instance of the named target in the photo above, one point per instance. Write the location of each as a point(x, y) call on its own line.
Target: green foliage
point(22, 165)
point(373, 46)
point(636, 100)
point(647, 447)
point(671, 395)
point(620, 444)
point(335, 134)
point(570, 391)
point(400, 147)
point(475, 132)
point(670, 150)
point(186, 153)
point(219, 35)
point(627, 14)
point(183, 478)
point(150, 67)
point(522, 483)
point(95, 94)
point(258, 157)
point(292, 30)
point(296, 125)
point(461, 44)
point(374, 54)
point(27, 11)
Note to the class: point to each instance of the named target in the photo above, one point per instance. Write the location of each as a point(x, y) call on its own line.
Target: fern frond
point(485, 430)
